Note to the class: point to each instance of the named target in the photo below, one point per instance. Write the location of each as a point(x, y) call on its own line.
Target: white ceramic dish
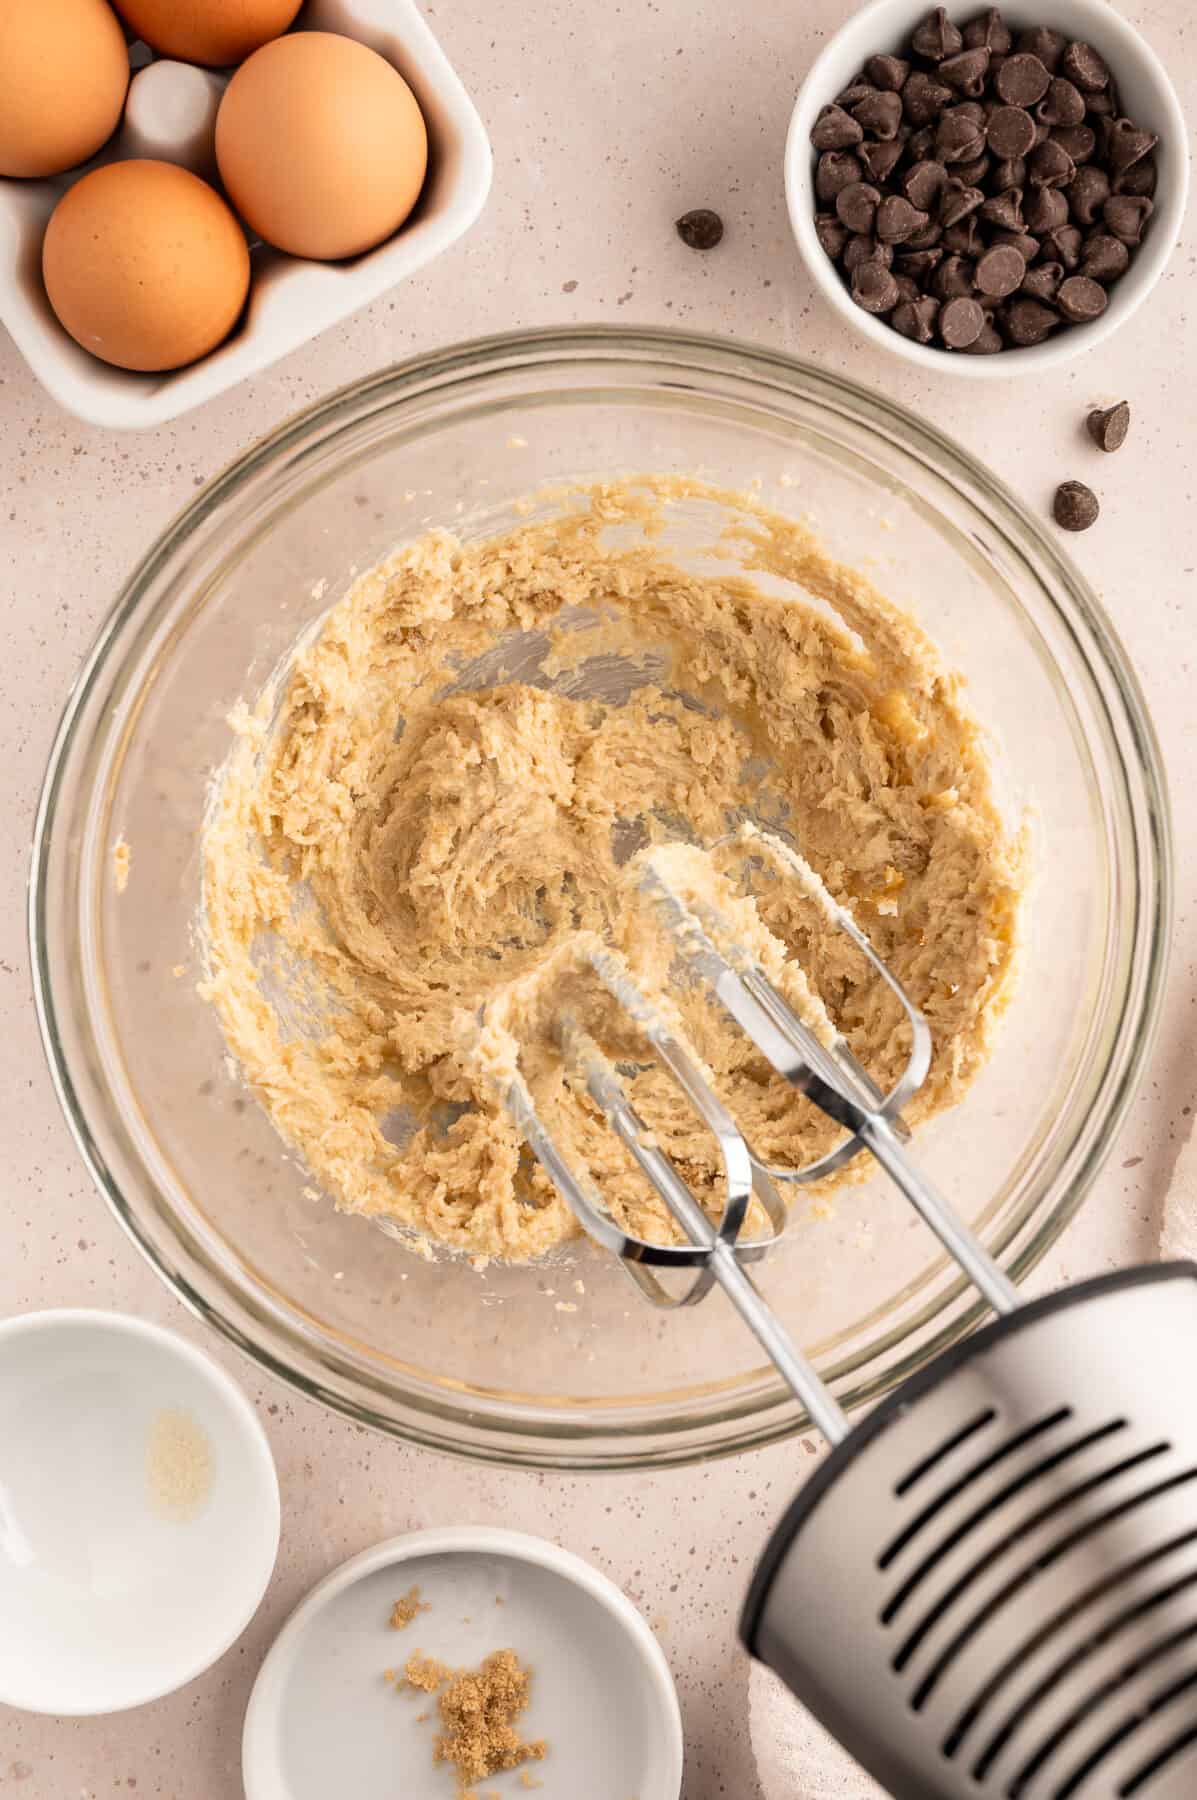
point(1148, 96)
point(323, 1719)
point(291, 300)
point(139, 1512)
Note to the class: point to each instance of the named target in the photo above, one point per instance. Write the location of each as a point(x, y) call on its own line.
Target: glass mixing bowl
point(496, 1365)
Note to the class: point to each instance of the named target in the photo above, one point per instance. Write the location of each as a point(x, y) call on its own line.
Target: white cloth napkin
point(795, 1758)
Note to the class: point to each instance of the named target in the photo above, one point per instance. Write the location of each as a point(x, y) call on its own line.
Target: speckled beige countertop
point(607, 121)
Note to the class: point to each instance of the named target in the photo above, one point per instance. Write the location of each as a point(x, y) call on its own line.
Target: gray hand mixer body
point(988, 1590)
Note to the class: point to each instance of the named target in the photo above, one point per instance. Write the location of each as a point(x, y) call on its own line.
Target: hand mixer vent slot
point(1137, 1720)
point(939, 1455)
point(1185, 1740)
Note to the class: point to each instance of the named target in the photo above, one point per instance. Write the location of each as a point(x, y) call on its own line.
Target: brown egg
point(145, 265)
point(216, 32)
point(64, 70)
point(321, 144)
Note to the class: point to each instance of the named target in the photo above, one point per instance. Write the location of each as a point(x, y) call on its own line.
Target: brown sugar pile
point(408, 1607)
point(425, 1672)
point(478, 1712)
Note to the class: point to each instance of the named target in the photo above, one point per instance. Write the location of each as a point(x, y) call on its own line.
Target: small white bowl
point(323, 1719)
point(139, 1512)
point(291, 300)
point(1147, 96)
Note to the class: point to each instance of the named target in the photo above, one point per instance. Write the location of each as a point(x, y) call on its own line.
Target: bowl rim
point(1132, 290)
point(161, 1341)
point(742, 1421)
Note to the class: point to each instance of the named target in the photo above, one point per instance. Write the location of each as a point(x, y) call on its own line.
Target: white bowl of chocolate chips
point(1004, 187)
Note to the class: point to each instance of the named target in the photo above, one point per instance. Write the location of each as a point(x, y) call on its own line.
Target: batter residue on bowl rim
point(443, 789)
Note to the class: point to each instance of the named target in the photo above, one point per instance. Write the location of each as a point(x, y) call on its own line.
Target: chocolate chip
point(887, 72)
point(971, 109)
point(1104, 258)
point(897, 220)
point(924, 98)
point(989, 32)
point(1126, 143)
point(1011, 131)
point(880, 113)
point(856, 205)
point(831, 234)
point(956, 201)
point(953, 279)
point(927, 237)
point(1047, 208)
point(919, 264)
point(1101, 105)
point(862, 247)
point(936, 37)
point(1080, 141)
point(835, 169)
point(989, 340)
point(1027, 322)
point(834, 129)
point(961, 322)
point(1063, 244)
point(1022, 241)
point(908, 288)
point(1000, 272)
point(1022, 80)
point(1108, 425)
point(1075, 506)
point(855, 92)
point(1062, 104)
point(1010, 172)
point(957, 138)
point(1081, 299)
point(1087, 194)
point(923, 182)
point(915, 319)
point(972, 174)
point(965, 238)
point(1041, 42)
point(1005, 210)
point(1140, 178)
point(700, 229)
point(1049, 165)
point(1082, 65)
point(1043, 281)
point(874, 288)
point(1125, 215)
point(880, 160)
point(965, 72)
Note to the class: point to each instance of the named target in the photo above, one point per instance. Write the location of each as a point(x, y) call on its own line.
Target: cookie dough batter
point(443, 791)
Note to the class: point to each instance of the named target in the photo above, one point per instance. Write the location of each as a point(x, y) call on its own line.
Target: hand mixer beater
point(989, 1587)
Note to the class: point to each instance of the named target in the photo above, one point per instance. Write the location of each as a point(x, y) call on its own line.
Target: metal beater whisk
point(989, 1588)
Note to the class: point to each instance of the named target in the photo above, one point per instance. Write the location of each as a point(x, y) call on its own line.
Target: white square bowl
point(291, 299)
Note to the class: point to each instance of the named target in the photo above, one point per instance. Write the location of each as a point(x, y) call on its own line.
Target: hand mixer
point(989, 1587)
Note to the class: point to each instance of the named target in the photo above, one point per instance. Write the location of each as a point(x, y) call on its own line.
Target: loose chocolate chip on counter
point(923, 182)
point(999, 272)
point(1047, 208)
point(700, 229)
point(1140, 178)
point(953, 279)
point(1027, 322)
point(1062, 104)
point(916, 319)
point(936, 37)
point(1074, 507)
point(961, 322)
point(1126, 143)
point(1082, 65)
point(898, 220)
point(862, 247)
point(880, 113)
point(1081, 299)
point(1011, 131)
point(989, 341)
point(1011, 172)
point(1108, 425)
point(880, 159)
point(831, 234)
point(856, 205)
point(835, 169)
point(1022, 80)
point(835, 129)
point(1087, 194)
point(1080, 141)
point(874, 288)
point(1125, 215)
point(989, 32)
point(1049, 165)
point(1043, 281)
point(966, 72)
point(888, 72)
point(956, 202)
point(1104, 258)
point(1042, 42)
